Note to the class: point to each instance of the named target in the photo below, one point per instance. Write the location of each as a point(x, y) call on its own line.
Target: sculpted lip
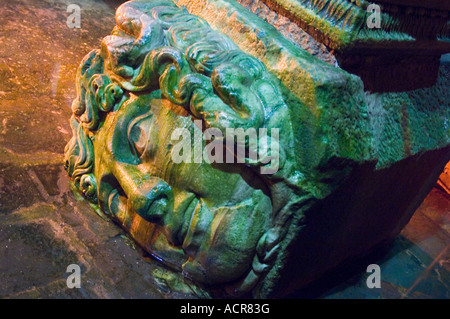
point(192, 232)
point(186, 220)
point(199, 225)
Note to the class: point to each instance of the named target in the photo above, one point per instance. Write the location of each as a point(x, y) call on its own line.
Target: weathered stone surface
point(353, 166)
point(363, 212)
point(14, 183)
point(40, 240)
point(412, 122)
point(409, 39)
point(44, 77)
point(33, 185)
point(290, 30)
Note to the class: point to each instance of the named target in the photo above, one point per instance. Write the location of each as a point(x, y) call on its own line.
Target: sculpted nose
point(150, 196)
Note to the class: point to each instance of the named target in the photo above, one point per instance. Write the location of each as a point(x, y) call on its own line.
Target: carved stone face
point(216, 215)
point(152, 78)
point(229, 224)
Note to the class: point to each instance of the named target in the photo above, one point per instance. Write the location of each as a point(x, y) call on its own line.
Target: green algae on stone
point(203, 67)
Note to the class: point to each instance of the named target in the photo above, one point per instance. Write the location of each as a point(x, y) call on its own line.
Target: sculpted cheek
point(229, 247)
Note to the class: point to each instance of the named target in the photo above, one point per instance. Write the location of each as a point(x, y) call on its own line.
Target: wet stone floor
point(45, 226)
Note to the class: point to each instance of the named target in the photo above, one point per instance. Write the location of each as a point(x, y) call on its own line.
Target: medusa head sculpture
point(186, 142)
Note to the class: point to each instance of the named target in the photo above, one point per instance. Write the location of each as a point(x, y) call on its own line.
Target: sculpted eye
point(138, 138)
point(138, 134)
